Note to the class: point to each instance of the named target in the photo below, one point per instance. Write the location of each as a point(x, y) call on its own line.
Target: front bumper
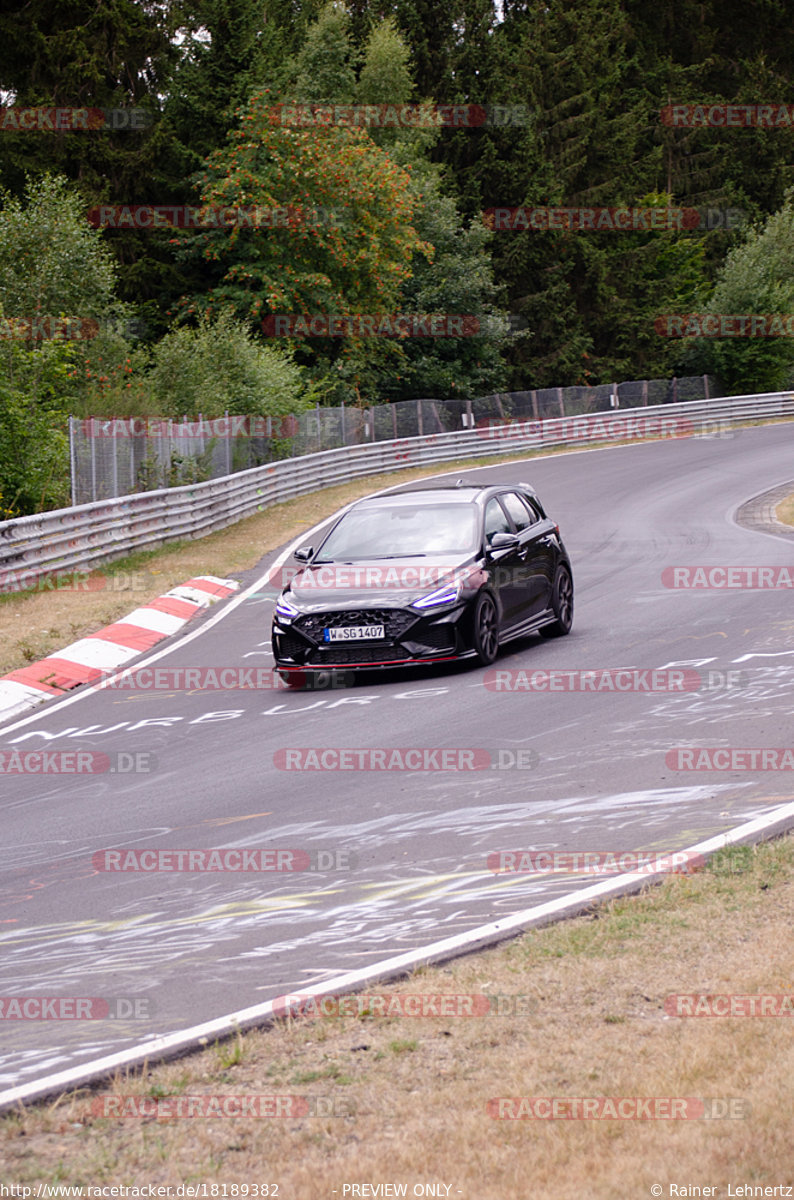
point(410, 637)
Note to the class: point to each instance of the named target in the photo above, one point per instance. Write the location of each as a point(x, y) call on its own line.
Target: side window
point(521, 514)
point(495, 521)
point(535, 508)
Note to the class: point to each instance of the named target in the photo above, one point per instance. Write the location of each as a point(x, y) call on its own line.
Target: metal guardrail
point(79, 538)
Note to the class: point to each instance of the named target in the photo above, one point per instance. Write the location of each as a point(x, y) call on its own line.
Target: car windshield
point(404, 531)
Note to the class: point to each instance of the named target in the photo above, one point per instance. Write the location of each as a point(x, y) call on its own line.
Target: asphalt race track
point(406, 857)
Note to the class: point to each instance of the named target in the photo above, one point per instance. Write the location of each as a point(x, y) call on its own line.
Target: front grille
point(374, 653)
point(395, 621)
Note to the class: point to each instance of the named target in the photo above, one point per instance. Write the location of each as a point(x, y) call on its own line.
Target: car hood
point(377, 582)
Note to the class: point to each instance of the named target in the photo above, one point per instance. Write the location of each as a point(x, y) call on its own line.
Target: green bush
point(217, 368)
point(34, 456)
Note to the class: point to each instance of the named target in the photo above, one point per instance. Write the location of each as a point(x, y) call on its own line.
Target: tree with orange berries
point(318, 220)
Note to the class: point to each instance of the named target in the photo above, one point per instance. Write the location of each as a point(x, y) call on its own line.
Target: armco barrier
point(82, 537)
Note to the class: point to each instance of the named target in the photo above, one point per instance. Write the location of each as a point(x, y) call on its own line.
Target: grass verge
point(412, 1092)
point(785, 510)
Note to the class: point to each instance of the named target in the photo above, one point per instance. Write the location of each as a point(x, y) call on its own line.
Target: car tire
point(486, 629)
point(562, 604)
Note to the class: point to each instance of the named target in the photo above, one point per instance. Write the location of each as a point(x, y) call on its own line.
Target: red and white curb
point(94, 656)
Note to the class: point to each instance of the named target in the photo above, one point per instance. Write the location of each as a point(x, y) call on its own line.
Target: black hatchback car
point(422, 576)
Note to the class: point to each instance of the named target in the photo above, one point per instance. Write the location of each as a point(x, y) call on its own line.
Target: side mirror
point(304, 553)
point(503, 541)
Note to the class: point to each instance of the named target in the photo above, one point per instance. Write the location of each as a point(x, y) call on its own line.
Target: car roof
point(461, 492)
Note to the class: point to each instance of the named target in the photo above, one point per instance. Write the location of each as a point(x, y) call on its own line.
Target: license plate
point(353, 633)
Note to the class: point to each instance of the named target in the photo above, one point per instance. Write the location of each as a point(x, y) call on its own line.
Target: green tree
point(758, 277)
point(225, 53)
point(343, 247)
point(593, 139)
point(52, 263)
point(450, 271)
point(102, 54)
point(325, 67)
point(34, 456)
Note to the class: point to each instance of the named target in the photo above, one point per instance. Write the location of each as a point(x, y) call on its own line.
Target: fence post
point(706, 395)
point(93, 467)
point(419, 424)
point(73, 460)
point(561, 401)
point(535, 405)
point(645, 392)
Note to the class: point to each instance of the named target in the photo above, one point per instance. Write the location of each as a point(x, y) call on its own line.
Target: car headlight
point(443, 595)
point(285, 609)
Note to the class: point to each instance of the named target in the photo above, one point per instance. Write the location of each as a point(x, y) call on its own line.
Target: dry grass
point(785, 510)
point(416, 1089)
